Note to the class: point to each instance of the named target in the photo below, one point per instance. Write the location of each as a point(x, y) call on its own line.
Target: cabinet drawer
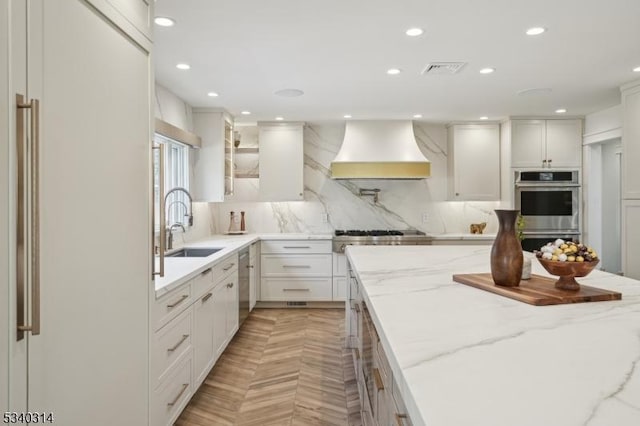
point(296, 246)
point(310, 265)
point(283, 289)
point(170, 305)
point(202, 283)
point(169, 399)
point(225, 267)
point(169, 344)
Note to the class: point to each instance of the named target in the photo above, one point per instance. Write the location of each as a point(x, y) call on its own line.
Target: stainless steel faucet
point(170, 238)
point(370, 192)
point(180, 189)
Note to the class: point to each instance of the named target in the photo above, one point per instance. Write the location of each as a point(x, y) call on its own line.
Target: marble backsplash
point(401, 205)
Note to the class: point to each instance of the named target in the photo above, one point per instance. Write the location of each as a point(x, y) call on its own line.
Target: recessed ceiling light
point(279, 118)
point(484, 117)
point(289, 93)
point(164, 21)
point(487, 70)
point(414, 32)
point(636, 69)
point(536, 31)
point(212, 94)
point(183, 66)
point(347, 116)
point(417, 115)
point(393, 71)
point(246, 113)
point(561, 110)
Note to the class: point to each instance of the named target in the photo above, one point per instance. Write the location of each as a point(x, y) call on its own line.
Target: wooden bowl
point(568, 271)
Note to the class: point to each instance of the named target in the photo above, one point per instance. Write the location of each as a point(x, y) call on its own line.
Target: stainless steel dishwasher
point(243, 284)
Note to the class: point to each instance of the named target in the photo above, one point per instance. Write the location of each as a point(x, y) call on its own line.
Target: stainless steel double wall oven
point(549, 201)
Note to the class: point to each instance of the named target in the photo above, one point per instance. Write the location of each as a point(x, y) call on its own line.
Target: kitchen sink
point(194, 252)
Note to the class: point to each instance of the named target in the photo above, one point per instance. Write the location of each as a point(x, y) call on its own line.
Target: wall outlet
point(324, 217)
point(425, 217)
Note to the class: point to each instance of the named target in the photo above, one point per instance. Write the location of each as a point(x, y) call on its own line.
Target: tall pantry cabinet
point(631, 179)
point(76, 266)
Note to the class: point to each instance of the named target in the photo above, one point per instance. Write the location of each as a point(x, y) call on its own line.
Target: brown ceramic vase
point(506, 252)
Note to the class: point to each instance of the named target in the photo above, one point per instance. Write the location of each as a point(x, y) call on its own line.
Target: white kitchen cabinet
point(219, 318)
point(546, 143)
point(296, 270)
point(281, 161)
point(474, 162)
point(225, 303)
point(204, 354)
point(138, 13)
point(631, 238)
point(213, 162)
point(339, 276)
point(90, 362)
point(631, 142)
point(254, 274)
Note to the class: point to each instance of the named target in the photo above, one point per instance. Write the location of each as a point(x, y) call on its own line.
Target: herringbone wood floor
point(283, 367)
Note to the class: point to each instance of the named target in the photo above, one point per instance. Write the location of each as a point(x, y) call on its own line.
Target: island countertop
point(463, 356)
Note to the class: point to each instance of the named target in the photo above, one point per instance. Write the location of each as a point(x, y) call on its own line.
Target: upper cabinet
point(474, 162)
point(631, 141)
point(281, 161)
point(546, 143)
point(213, 162)
point(138, 13)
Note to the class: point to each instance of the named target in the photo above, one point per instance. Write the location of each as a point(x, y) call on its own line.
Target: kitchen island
point(462, 356)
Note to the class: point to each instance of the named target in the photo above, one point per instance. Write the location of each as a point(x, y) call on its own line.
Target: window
point(176, 174)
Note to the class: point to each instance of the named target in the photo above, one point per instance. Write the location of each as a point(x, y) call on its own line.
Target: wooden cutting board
point(538, 290)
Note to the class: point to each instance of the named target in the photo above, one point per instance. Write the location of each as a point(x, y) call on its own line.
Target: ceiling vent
point(440, 68)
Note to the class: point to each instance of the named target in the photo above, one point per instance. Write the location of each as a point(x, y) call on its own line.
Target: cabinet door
point(474, 151)
point(631, 238)
point(564, 143)
point(210, 161)
point(219, 318)
point(203, 344)
point(281, 162)
point(232, 306)
point(95, 182)
point(253, 282)
point(339, 288)
point(631, 143)
point(528, 143)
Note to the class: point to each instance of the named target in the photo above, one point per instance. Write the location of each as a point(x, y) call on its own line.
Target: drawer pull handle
point(297, 266)
point(205, 272)
point(296, 289)
point(177, 345)
point(400, 419)
point(207, 297)
point(297, 247)
point(230, 285)
point(177, 398)
point(179, 301)
point(228, 267)
point(378, 379)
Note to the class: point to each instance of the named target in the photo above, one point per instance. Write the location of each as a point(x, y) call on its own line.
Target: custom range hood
point(380, 150)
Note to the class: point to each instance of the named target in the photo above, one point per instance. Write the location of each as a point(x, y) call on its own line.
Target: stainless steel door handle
point(177, 345)
point(228, 267)
point(207, 297)
point(177, 302)
point(177, 398)
point(28, 253)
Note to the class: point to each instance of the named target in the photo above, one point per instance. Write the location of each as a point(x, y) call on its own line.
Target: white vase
point(526, 268)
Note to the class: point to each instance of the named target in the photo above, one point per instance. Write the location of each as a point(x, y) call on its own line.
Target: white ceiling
point(338, 51)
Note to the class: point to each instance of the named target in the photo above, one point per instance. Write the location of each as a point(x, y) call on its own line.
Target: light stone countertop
point(467, 357)
point(179, 270)
point(463, 236)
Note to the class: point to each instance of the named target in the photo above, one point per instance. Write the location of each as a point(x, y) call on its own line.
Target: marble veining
point(400, 205)
point(463, 356)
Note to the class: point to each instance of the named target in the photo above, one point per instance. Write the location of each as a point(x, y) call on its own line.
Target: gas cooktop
point(344, 238)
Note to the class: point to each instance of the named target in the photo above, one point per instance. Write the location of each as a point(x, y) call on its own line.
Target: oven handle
point(549, 233)
point(547, 185)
